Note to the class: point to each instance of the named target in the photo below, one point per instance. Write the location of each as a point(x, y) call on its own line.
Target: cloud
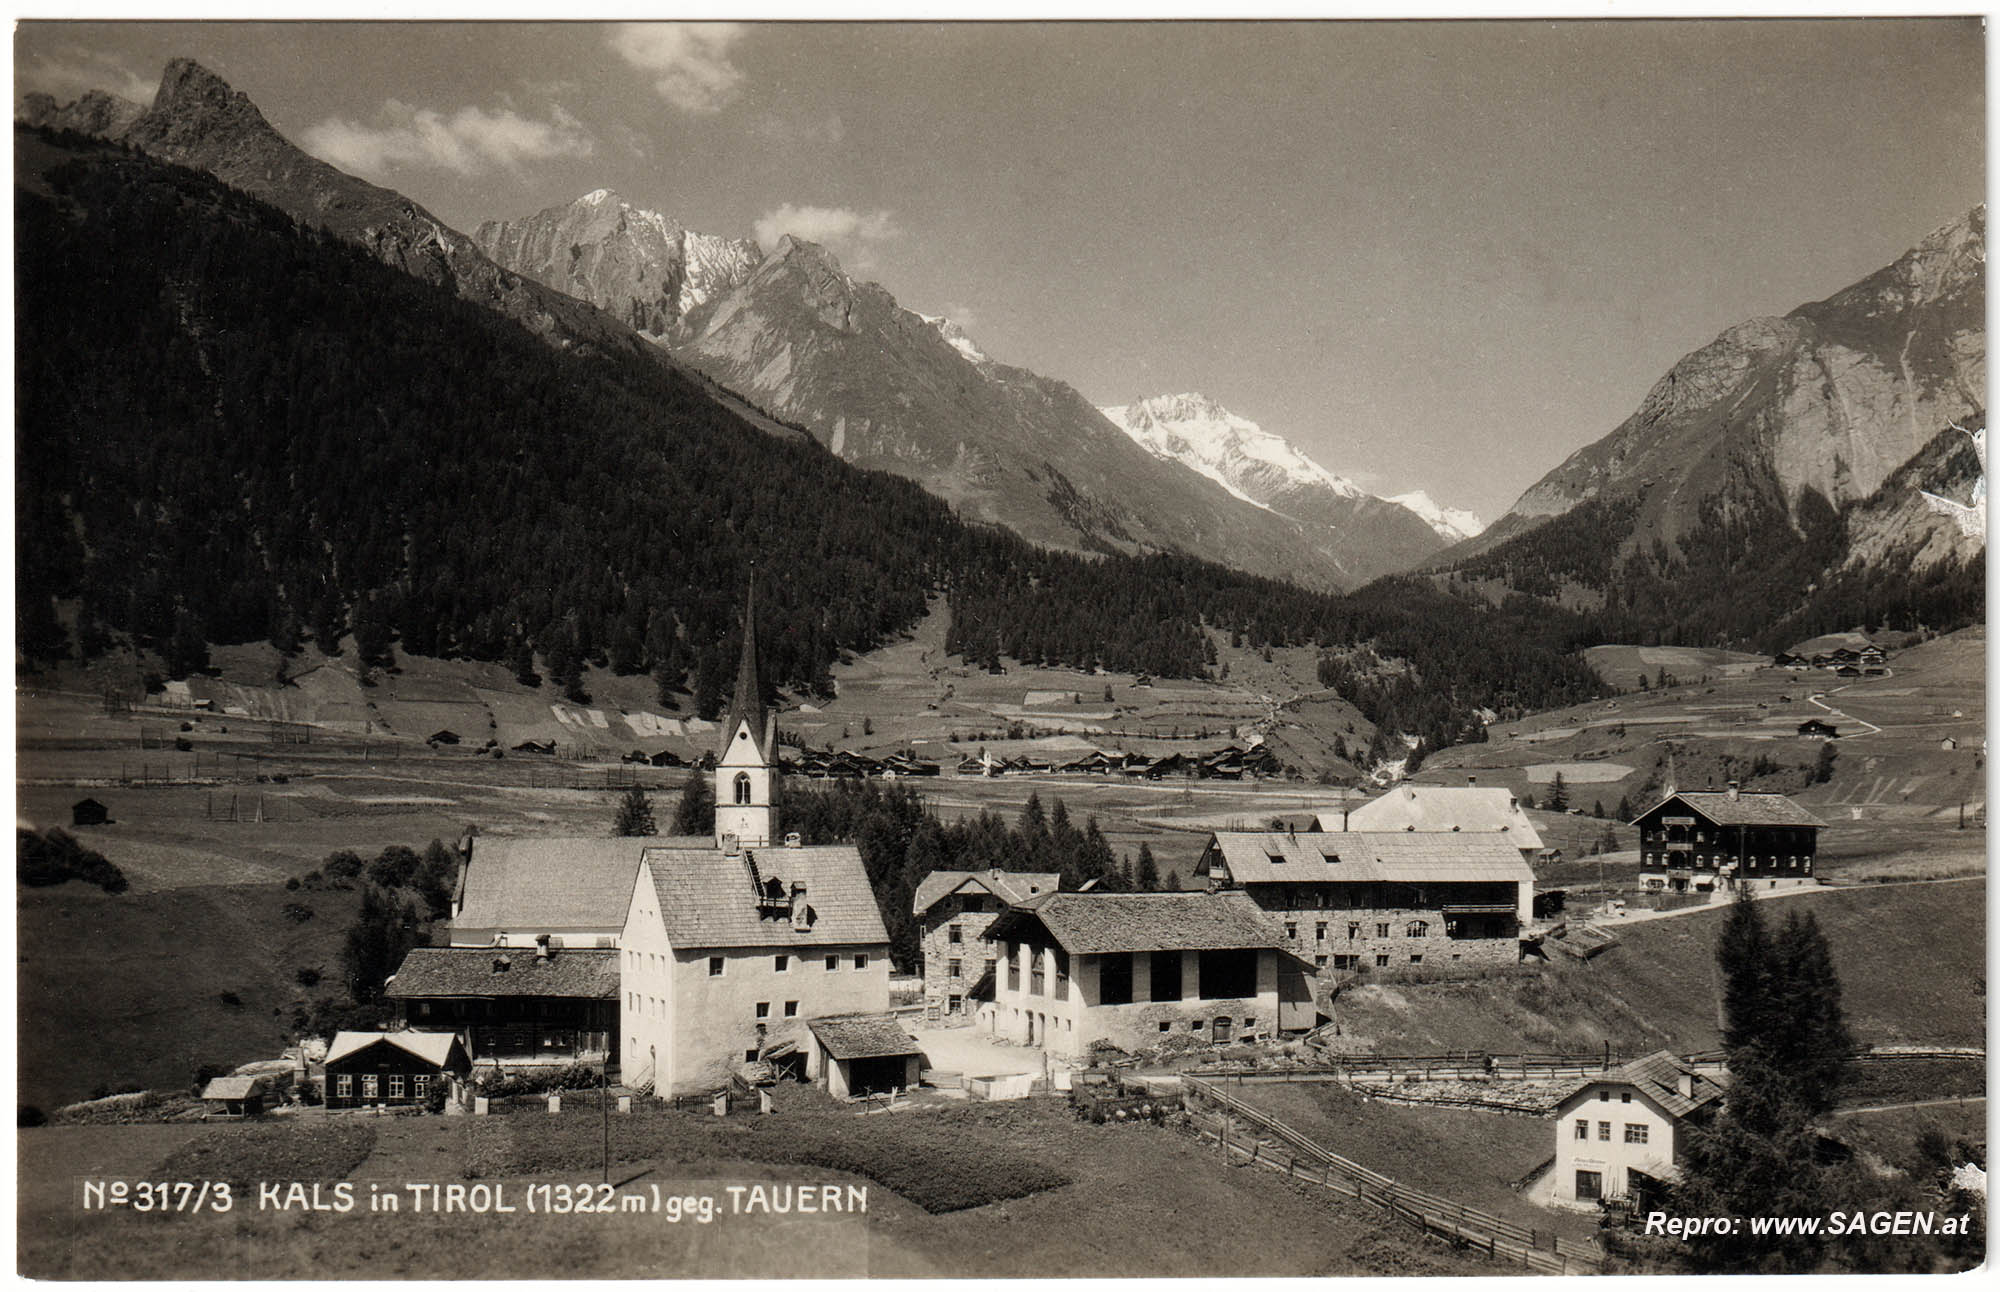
point(467, 142)
point(961, 315)
point(820, 132)
point(75, 70)
point(689, 60)
point(851, 235)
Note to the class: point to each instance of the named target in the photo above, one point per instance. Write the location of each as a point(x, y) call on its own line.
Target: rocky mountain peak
point(96, 113)
point(193, 102)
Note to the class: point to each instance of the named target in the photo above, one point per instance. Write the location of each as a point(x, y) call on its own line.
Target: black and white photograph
point(1161, 647)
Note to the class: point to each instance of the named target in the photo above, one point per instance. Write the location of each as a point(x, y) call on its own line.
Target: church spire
point(747, 704)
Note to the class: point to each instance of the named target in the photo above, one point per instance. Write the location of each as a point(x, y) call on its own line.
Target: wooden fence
point(1302, 1158)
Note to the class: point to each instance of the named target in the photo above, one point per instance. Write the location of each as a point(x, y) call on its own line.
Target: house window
point(1583, 1128)
point(1417, 929)
point(952, 968)
point(742, 787)
point(1319, 962)
point(420, 1085)
point(763, 1009)
point(791, 1009)
point(1604, 1096)
point(1346, 962)
point(955, 935)
point(1291, 932)
point(368, 1081)
point(1013, 970)
point(1624, 1096)
point(1382, 960)
point(1604, 1130)
point(832, 963)
point(715, 966)
point(1165, 1025)
point(1416, 957)
point(1353, 932)
point(1381, 930)
point(1319, 931)
point(861, 961)
point(784, 963)
point(343, 1085)
point(1589, 1186)
point(395, 1085)
point(1635, 1133)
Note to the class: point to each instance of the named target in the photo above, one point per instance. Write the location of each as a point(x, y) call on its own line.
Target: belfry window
point(742, 787)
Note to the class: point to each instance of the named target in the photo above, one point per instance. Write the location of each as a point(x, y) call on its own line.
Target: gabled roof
point(234, 1087)
point(1371, 856)
point(432, 1047)
point(710, 899)
point(747, 704)
point(432, 972)
point(1008, 885)
point(1468, 809)
point(1723, 808)
point(863, 1036)
point(1658, 1076)
point(1095, 923)
point(525, 885)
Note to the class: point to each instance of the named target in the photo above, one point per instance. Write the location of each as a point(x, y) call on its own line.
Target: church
point(731, 948)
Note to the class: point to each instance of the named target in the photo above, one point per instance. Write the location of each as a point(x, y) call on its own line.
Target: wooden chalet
point(514, 1006)
point(1697, 840)
point(1818, 729)
point(368, 1068)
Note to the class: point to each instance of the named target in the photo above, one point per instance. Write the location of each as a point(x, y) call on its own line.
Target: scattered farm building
point(368, 1068)
point(954, 908)
point(1381, 901)
point(1443, 809)
point(1620, 1135)
point(513, 1006)
point(89, 812)
point(1133, 968)
point(238, 1096)
point(1818, 729)
point(1697, 840)
point(863, 1054)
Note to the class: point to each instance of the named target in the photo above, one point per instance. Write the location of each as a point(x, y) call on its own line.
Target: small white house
point(1621, 1133)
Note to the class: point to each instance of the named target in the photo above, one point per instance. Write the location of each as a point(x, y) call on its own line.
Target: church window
point(742, 787)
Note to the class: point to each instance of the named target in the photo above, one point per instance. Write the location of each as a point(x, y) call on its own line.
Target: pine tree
point(635, 814)
point(1172, 883)
point(1809, 1041)
point(1743, 956)
point(1147, 877)
point(1624, 808)
point(1558, 799)
point(694, 814)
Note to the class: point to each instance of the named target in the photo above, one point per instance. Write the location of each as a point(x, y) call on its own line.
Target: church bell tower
point(747, 757)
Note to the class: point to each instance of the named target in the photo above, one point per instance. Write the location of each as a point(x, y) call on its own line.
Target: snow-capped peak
point(598, 195)
point(1233, 451)
point(955, 336)
point(1453, 523)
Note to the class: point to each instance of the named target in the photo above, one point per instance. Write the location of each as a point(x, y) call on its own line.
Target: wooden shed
point(366, 1068)
point(89, 812)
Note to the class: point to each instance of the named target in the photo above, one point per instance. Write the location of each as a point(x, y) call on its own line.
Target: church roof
point(747, 704)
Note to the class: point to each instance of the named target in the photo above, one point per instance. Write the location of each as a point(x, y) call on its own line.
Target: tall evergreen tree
point(1147, 876)
point(1743, 955)
point(694, 814)
point(635, 814)
point(1558, 799)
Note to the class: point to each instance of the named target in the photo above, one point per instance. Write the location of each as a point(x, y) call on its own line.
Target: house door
point(1221, 1031)
point(1589, 1186)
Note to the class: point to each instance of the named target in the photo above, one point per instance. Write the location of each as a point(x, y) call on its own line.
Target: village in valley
point(1304, 978)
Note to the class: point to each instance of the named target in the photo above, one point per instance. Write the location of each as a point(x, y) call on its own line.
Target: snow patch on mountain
point(1452, 523)
point(956, 337)
point(1233, 451)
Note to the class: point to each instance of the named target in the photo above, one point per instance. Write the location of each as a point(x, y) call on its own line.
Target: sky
point(1436, 255)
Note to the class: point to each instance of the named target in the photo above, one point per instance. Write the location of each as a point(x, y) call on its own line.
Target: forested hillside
point(233, 427)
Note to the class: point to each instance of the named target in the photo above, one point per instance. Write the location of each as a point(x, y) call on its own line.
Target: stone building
point(1443, 809)
point(1134, 968)
point(1370, 901)
point(954, 909)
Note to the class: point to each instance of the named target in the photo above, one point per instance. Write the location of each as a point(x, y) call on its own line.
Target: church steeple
point(745, 758)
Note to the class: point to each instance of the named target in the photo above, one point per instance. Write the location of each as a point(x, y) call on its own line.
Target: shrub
point(29, 1115)
point(306, 976)
point(292, 884)
point(343, 865)
point(43, 860)
point(496, 1084)
point(297, 913)
point(231, 999)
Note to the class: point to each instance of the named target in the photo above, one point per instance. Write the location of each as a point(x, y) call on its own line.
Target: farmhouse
point(731, 946)
point(1382, 900)
point(512, 1006)
point(366, 1068)
point(1818, 729)
point(1443, 809)
point(1693, 840)
point(1134, 968)
point(1620, 1135)
point(954, 907)
point(571, 892)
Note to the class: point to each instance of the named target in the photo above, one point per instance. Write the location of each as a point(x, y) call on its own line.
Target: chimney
point(994, 874)
point(799, 920)
point(731, 846)
point(541, 946)
point(501, 964)
point(1686, 1084)
point(1734, 791)
point(1343, 820)
point(792, 840)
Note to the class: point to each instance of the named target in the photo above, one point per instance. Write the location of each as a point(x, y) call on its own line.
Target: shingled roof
point(708, 898)
point(1096, 923)
point(1366, 856)
point(1658, 1077)
point(1724, 808)
point(1468, 809)
point(1011, 886)
point(863, 1036)
point(428, 972)
point(529, 885)
point(432, 1047)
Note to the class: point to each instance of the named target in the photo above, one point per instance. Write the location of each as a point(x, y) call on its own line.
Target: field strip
point(1921, 1103)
